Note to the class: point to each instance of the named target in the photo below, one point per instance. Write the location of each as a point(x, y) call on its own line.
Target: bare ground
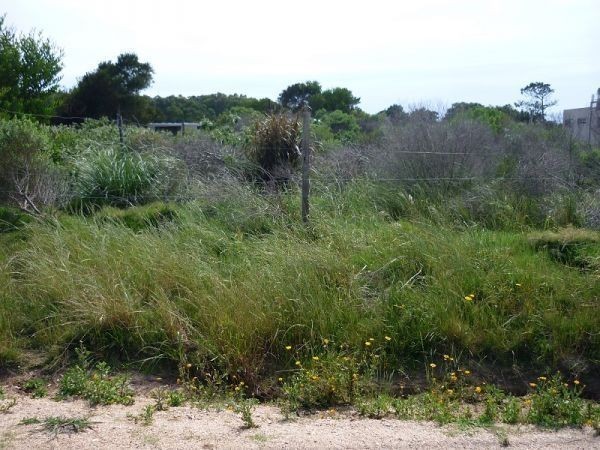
point(190, 427)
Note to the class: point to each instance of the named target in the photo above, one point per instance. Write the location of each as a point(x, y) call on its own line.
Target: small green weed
point(244, 408)
point(175, 398)
point(36, 387)
point(30, 421)
point(146, 417)
point(165, 398)
point(57, 425)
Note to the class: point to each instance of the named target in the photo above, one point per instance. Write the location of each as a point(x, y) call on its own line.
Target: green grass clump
point(116, 176)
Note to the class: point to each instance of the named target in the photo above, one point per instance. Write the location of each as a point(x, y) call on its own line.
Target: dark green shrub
point(274, 146)
point(12, 219)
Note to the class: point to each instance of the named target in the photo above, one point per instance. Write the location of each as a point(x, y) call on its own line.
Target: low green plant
point(165, 398)
point(326, 380)
point(30, 421)
point(94, 382)
point(175, 398)
point(146, 417)
point(556, 404)
point(244, 407)
point(56, 425)
point(36, 387)
point(375, 408)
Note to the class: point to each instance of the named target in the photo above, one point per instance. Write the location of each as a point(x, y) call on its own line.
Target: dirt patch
point(190, 427)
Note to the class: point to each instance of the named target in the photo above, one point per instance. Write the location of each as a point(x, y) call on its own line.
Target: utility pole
point(305, 162)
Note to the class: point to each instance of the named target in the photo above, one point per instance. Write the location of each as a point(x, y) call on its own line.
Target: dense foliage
point(30, 68)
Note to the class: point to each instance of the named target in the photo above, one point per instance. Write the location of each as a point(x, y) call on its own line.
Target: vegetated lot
point(470, 297)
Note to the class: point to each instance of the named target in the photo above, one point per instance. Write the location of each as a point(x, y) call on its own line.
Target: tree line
point(30, 68)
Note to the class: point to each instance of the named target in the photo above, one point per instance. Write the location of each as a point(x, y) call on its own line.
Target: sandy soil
point(190, 427)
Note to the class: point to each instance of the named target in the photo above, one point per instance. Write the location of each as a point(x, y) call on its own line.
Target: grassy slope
point(229, 283)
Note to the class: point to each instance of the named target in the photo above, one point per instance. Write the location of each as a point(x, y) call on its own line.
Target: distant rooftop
point(174, 127)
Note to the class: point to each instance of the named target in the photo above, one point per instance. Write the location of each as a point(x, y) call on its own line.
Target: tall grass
point(227, 283)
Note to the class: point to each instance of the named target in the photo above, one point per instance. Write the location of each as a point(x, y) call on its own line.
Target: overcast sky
point(433, 52)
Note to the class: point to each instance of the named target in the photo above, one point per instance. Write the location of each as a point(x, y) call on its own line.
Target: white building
point(584, 123)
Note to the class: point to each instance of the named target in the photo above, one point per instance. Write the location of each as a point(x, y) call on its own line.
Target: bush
point(274, 146)
point(27, 176)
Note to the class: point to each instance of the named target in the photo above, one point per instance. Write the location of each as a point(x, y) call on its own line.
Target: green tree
point(537, 100)
point(112, 87)
point(30, 68)
point(396, 113)
point(299, 94)
point(336, 99)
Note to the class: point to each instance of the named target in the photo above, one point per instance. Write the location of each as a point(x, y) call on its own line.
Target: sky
point(423, 52)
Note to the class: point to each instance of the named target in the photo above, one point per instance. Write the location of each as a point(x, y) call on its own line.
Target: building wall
point(579, 121)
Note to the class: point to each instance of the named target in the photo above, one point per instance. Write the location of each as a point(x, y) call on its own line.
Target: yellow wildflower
point(433, 365)
point(532, 385)
point(288, 347)
point(446, 357)
point(325, 341)
point(453, 378)
point(478, 389)
point(469, 298)
point(298, 363)
point(280, 379)
point(450, 391)
point(467, 372)
point(188, 365)
point(576, 382)
point(371, 339)
point(367, 343)
point(542, 378)
point(315, 358)
point(387, 338)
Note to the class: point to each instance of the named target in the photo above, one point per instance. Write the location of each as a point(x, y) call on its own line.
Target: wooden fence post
point(305, 162)
point(120, 125)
